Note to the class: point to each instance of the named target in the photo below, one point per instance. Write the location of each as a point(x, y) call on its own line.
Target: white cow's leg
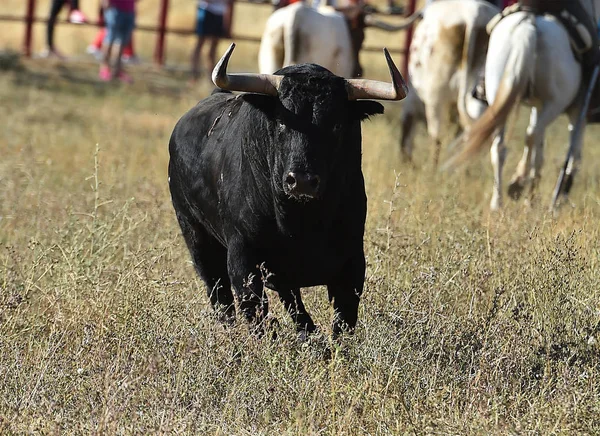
point(519, 178)
point(498, 155)
point(531, 169)
point(436, 117)
point(575, 160)
point(407, 137)
point(412, 112)
point(536, 169)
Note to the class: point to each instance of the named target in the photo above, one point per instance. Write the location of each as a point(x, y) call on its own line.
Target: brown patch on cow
point(452, 38)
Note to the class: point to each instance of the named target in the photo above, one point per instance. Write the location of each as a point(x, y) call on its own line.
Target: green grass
point(471, 322)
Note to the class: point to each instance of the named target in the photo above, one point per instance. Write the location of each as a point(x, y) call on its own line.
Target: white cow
point(446, 55)
point(530, 60)
point(301, 34)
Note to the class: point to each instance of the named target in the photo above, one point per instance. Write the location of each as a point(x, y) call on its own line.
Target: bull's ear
point(363, 109)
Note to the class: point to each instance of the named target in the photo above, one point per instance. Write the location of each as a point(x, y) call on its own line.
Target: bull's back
point(197, 159)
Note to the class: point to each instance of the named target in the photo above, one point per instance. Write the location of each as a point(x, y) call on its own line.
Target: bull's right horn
point(376, 90)
point(260, 83)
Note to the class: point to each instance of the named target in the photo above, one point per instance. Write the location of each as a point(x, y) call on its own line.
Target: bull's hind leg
point(345, 291)
point(210, 261)
point(295, 307)
point(246, 278)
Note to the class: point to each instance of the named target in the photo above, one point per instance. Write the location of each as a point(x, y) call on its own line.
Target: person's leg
point(109, 40)
point(196, 57)
point(105, 73)
point(216, 29)
point(55, 8)
point(126, 22)
point(128, 50)
point(118, 68)
point(212, 54)
point(75, 15)
point(96, 46)
point(200, 31)
point(100, 36)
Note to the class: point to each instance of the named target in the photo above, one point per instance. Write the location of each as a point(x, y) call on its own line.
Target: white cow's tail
point(467, 64)
point(517, 74)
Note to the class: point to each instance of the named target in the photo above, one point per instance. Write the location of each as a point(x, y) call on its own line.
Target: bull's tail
point(517, 74)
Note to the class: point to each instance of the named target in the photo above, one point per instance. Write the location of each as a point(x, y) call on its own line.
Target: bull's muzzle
point(301, 185)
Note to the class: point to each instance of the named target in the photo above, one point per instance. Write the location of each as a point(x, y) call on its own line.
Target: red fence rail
point(161, 29)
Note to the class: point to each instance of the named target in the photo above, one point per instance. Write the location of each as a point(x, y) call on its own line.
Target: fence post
point(159, 51)
point(29, 17)
point(412, 4)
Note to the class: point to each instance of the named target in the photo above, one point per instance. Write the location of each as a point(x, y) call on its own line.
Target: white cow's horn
point(260, 83)
point(373, 89)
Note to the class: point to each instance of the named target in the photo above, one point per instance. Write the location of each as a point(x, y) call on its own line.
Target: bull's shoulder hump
point(221, 110)
point(203, 112)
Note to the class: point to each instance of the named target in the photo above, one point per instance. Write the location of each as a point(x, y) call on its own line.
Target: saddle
point(579, 25)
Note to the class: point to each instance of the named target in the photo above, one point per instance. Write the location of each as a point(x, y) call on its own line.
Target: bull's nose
point(300, 183)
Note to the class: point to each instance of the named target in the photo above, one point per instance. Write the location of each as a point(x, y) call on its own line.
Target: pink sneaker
point(124, 77)
point(77, 17)
point(105, 74)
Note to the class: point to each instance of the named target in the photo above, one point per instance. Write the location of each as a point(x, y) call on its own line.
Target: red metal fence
point(162, 30)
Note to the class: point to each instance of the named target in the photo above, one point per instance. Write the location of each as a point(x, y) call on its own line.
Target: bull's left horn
point(259, 83)
point(373, 89)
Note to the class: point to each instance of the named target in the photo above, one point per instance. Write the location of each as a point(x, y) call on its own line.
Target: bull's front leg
point(292, 301)
point(345, 291)
point(246, 279)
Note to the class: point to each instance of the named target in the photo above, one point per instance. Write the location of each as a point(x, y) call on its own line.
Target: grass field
point(471, 322)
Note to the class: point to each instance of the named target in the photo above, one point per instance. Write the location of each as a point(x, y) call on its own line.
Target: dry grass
point(471, 323)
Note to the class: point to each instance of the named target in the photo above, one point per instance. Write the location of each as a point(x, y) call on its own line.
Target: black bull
point(268, 189)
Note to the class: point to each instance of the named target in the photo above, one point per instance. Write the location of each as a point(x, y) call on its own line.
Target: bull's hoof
point(305, 335)
point(515, 189)
point(265, 327)
point(225, 315)
point(307, 332)
point(316, 344)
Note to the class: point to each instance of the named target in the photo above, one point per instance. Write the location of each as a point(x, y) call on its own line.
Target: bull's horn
point(259, 83)
point(373, 89)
